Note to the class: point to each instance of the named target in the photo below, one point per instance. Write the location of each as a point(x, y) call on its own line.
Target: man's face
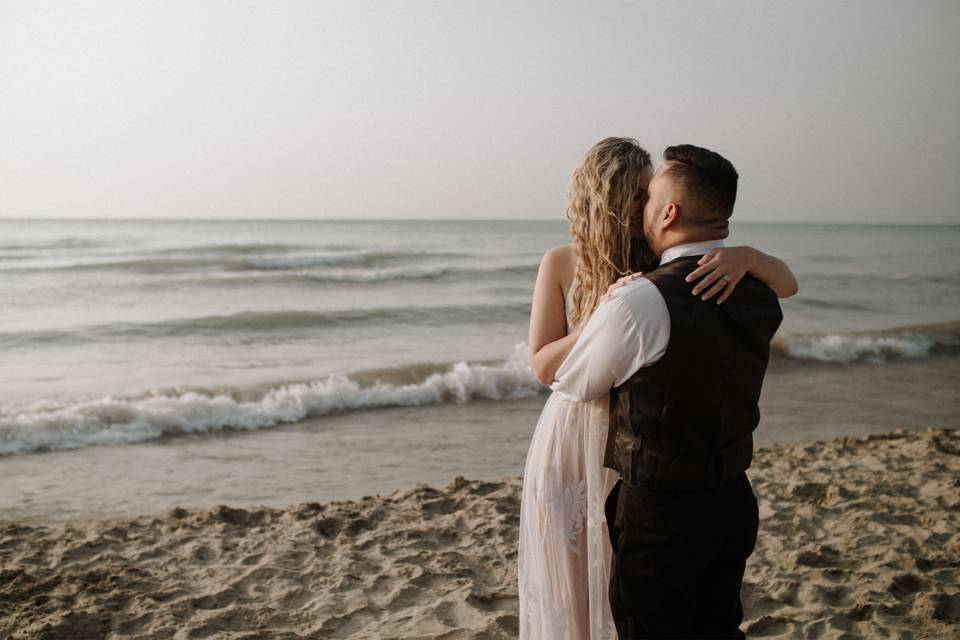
point(637, 204)
point(658, 192)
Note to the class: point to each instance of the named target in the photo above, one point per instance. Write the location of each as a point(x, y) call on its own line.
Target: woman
point(564, 551)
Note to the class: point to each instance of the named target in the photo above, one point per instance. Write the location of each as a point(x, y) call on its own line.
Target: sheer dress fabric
point(564, 549)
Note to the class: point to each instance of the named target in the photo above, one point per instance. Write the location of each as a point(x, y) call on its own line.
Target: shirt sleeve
point(628, 331)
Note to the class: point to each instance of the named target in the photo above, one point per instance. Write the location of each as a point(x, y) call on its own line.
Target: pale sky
point(831, 111)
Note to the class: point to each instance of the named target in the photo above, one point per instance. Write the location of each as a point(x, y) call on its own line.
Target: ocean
point(151, 364)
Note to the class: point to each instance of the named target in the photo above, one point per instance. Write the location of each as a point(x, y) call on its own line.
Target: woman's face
point(635, 211)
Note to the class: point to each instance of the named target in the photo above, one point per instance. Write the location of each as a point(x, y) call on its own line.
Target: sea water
point(380, 339)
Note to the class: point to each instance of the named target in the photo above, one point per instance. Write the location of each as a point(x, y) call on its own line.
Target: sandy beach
point(859, 538)
point(286, 289)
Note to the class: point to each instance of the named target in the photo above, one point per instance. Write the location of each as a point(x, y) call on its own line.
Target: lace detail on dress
point(563, 560)
point(564, 550)
point(573, 509)
point(568, 303)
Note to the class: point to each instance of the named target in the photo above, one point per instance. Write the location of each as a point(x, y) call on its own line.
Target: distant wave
point(816, 303)
point(830, 257)
point(196, 263)
point(60, 243)
point(326, 259)
point(48, 425)
point(412, 273)
point(361, 276)
point(867, 280)
point(354, 275)
point(272, 321)
point(246, 248)
point(237, 259)
point(870, 346)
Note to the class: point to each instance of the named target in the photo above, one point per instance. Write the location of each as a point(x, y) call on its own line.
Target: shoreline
point(350, 455)
point(857, 536)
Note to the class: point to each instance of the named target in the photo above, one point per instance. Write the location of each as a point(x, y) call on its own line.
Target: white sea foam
point(108, 421)
point(862, 347)
point(352, 274)
point(379, 275)
point(409, 273)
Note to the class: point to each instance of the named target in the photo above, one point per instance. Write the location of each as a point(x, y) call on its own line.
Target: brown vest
point(686, 422)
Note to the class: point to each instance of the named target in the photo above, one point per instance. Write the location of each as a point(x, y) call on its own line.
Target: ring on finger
point(725, 278)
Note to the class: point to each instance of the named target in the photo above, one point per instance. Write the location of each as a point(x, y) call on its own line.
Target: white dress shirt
point(628, 330)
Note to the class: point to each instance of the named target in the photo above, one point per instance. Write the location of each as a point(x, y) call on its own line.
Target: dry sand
point(858, 538)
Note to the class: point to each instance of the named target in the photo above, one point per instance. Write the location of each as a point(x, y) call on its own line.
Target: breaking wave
point(50, 425)
point(870, 346)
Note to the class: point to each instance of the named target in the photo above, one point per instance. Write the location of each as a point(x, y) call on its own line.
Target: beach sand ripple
point(858, 538)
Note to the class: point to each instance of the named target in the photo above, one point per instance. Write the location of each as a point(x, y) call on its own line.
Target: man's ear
point(671, 216)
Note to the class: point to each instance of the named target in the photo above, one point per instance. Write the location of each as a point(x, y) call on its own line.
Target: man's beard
point(642, 257)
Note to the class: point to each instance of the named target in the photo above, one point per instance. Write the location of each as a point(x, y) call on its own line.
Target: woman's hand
point(630, 277)
point(720, 270)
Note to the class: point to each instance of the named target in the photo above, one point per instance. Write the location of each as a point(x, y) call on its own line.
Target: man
point(684, 377)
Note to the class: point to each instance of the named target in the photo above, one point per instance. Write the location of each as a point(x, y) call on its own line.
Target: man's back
point(684, 422)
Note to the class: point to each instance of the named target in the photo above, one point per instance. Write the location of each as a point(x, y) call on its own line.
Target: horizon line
point(304, 219)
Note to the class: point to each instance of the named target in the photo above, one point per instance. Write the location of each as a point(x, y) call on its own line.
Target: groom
point(684, 377)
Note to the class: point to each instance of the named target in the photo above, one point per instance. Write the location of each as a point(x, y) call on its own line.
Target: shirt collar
point(689, 249)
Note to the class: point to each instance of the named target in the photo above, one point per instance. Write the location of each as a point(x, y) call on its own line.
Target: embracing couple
point(637, 517)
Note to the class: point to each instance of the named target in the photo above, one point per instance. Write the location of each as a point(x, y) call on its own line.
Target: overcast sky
point(831, 111)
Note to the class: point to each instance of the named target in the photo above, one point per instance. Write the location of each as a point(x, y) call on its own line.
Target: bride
point(564, 548)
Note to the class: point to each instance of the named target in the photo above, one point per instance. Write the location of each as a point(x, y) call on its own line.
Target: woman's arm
point(548, 340)
point(721, 270)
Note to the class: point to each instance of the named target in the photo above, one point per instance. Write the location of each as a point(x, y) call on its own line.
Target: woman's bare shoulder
point(559, 258)
point(558, 264)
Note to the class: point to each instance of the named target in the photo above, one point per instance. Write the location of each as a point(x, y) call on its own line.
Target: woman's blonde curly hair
point(600, 192)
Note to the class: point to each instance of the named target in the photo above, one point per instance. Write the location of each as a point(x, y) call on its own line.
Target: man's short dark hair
point(709, 183)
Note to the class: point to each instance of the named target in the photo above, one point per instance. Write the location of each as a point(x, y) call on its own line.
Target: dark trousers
point(678, 560)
